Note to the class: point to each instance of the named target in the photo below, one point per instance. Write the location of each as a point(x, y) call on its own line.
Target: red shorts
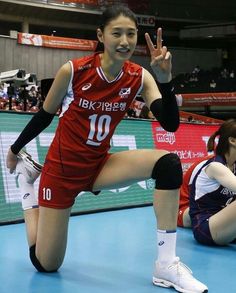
point(58, 189)
point(183, 201)
point(181, 214)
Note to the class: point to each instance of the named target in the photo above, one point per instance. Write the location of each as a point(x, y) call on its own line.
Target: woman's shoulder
point(132, 67)
point(216, 166)
point(84, 62)
point(212, 163)
point(219, 159)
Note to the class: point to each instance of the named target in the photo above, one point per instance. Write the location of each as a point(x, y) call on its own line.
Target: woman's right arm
point(58, 89)
point(44, 117)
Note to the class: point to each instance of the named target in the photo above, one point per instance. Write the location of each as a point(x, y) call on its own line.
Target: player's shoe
point(178, 276)
point(28, 167)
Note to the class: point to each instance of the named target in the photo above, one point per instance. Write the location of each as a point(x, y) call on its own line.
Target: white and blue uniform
point(207, 197)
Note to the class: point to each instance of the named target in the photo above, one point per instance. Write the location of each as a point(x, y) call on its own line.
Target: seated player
point(212, 190)
point(183, 214)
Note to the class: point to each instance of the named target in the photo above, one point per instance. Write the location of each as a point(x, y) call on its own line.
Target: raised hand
point(160, 58)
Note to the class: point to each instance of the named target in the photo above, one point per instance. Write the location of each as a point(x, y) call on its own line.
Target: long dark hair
point(226, 130)
point(112, 12)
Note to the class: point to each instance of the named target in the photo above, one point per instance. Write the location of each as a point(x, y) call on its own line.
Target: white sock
point(166, 246)
point(28, 198)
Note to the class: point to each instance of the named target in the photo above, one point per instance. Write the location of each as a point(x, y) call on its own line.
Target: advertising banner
point(146, 20)
point(56, 42)
point(189, 142)
point(208, 99)
point(130, 135)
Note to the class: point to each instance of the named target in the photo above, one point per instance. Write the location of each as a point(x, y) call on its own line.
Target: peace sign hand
point(160, 58)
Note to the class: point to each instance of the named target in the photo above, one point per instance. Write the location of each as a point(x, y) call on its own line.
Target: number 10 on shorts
point(47, 194)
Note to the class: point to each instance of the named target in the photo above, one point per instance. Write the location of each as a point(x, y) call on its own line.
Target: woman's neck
point(230, 161)
point(110, 67)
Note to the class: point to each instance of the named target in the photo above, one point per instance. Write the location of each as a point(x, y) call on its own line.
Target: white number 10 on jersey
point(99, 129)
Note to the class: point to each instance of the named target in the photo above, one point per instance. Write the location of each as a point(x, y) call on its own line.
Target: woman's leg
point(51, 238)
point(223, 225)
point(31, 223)
point(186, 219)
point(29, 202)
point(127, 167)
point(46, 228)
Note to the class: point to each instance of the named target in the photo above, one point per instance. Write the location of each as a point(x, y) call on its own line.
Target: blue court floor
point(111, 252)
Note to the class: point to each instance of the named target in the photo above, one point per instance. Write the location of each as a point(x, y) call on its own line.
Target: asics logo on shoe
point(161, 243)
point(26, 195)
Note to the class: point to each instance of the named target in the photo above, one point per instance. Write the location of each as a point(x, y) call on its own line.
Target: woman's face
point(119, 38)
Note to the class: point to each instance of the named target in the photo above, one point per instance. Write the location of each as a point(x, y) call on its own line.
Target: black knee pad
point(168, 172)
point(36, 262)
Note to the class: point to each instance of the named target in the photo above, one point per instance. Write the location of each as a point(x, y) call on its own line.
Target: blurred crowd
point(30, 98)
point(20, 98)
point(139, 110)
point(206, 81)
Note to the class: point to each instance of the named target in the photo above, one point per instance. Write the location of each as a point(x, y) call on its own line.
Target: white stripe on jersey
point(69, 97)
point(195, 170)
point(103, 76)
point(203, 184)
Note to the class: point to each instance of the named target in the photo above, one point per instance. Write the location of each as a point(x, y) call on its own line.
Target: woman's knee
point(167, 172)
point(49, 267)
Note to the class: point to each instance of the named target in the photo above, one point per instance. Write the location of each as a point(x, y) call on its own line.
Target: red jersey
point(91, 110)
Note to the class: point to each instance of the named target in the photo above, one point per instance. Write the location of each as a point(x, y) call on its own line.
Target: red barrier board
point(208, 99)
point(188, 142)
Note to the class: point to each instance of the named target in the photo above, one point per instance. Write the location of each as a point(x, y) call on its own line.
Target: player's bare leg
point(127, 167)
point(222, 225)
point(46, 228)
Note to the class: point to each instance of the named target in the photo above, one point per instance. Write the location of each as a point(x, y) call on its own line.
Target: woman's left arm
point(222, 174)
point(161, 100)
